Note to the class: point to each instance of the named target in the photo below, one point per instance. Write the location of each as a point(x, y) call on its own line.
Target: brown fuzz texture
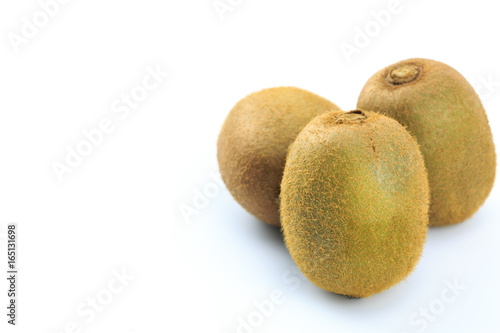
point(354, 202)
point(252, 145)
point(444, 113)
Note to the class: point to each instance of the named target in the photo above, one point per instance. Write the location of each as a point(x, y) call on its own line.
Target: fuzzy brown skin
point(252, 145)
point(354, 202)
point(442, 110)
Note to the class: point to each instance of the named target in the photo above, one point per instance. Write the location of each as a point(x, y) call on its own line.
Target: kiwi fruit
point(444, 113)
point(252, 145)
point(354, 202)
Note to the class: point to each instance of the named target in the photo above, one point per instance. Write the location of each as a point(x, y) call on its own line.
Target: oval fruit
point(444, 113)
point(252, 145)
point(354, 202)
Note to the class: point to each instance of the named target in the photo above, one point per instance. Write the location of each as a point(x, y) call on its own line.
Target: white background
point(120, 209)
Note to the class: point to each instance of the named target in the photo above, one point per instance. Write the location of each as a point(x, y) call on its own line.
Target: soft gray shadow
point(339, 298)
point(268, 232)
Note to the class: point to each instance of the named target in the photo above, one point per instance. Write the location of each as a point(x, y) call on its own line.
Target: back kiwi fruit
point(252, 145)
point(354, 202)
point(444, 113)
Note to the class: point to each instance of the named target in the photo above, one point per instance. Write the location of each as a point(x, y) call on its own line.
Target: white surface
point(121, 207)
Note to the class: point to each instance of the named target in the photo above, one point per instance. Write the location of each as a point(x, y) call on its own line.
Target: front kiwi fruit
point(354, 202)
point(444, 113)
point(253, 141)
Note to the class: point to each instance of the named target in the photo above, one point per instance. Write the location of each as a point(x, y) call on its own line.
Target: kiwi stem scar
point(352, 116)
point(403, 74)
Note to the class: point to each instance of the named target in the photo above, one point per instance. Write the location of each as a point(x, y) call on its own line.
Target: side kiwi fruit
point(253, 141)
point(444, 113)
point(354, 202)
